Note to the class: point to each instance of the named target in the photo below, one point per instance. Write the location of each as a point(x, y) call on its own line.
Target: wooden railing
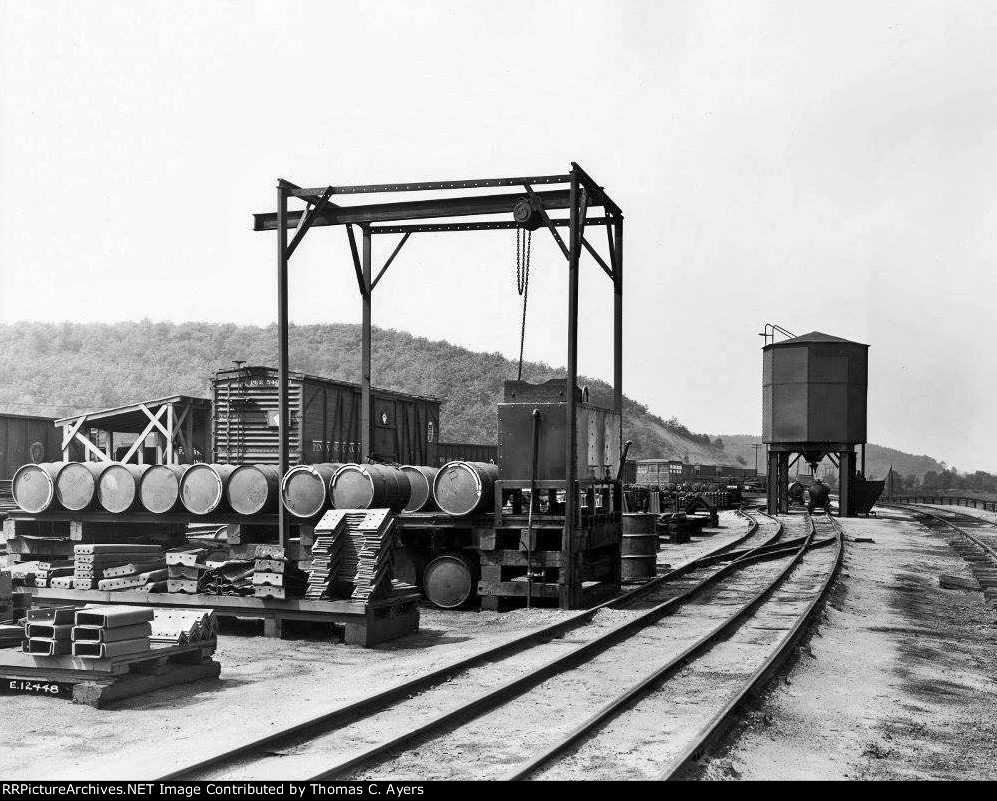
point(943, 500)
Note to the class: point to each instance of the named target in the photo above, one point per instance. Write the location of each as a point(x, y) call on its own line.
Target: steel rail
point(712, 730)
point(972, 538)
point(616, 705)
point(514, 687)
point(372, 703)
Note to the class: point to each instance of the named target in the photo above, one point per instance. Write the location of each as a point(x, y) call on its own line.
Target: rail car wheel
point(450, 580)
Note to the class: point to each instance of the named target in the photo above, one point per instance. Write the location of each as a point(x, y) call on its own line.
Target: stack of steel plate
point(48, 632)
point(269, 572)
point(185, 571)
point(183, 626)
point(330, 534)
point(373, 539)
point(46, 571)
point(114, 566)
point(102, 632)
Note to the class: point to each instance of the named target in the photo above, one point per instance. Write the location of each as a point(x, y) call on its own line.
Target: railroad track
point(980, 532)
point(389, 732)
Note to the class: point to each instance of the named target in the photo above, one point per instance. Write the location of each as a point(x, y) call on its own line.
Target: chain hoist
point(524, 244)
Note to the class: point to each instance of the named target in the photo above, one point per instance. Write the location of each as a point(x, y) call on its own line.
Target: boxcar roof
point(13, 416)
point(295, 374)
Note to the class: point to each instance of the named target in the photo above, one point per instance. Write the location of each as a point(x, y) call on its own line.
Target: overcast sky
point(826, 166)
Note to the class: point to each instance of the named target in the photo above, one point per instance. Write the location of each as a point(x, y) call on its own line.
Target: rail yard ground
point(898, 682)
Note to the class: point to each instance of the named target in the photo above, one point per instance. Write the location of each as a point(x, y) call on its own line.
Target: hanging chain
point(524, 244)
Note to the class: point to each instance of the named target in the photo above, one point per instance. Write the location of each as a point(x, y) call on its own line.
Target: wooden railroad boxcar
point(25, 439)
point(465, 452)
point(659, 471)
point(324, 420)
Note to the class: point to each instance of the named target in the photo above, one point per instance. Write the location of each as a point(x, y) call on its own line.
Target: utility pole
point(756, 446)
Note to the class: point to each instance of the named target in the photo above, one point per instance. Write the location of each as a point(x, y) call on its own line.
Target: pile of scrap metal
point(203, 571)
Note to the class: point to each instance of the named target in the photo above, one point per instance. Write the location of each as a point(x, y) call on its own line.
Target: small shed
point(173, 430)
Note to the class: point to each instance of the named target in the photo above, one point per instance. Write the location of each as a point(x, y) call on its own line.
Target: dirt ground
point(897, 683)
point(265, 683)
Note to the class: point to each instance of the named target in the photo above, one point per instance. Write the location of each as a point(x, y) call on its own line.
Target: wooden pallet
point(364, 624)
point(98, 682)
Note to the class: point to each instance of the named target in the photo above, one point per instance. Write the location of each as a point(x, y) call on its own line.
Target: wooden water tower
point(814, 390)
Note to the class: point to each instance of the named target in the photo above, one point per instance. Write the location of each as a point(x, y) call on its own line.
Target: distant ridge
point(61, 368)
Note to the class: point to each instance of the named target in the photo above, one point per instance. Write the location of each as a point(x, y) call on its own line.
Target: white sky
point(826, 166)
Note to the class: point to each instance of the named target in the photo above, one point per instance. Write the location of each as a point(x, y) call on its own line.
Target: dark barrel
point(159, 489)
point(202, 487)
point(639, 548)
point(117, 487)
point(449, 580)
point(408, 566)
point(420, 479)
point(463, 488)
point(76, 484)
point(304, 490)
point(33, 486)
point(253, 488)
point(369, 486)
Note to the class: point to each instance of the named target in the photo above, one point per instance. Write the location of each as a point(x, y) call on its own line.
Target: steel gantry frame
point(575, 191)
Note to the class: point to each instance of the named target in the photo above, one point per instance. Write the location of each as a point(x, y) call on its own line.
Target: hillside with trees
point(65, 368)
point(59, 369)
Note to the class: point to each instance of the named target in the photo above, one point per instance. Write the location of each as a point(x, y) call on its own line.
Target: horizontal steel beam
point(416, 210)
point(426, 186)
point(492, 225)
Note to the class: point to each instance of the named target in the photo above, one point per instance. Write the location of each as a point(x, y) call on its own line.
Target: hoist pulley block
point(525, 215)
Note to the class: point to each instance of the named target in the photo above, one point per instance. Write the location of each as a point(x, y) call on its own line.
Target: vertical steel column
point(365, 410)
point(282, 368)
point(618, 370)
point(618, 328)
point(567, 599)
point(772, 477)
point(846, 483)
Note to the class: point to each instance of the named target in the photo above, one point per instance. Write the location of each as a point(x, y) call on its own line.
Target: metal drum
point(369, 486)
point(159, 489)
point(408, 566)
point(304, 490)
point(420, 480)
point(253, 488)
point(449, 580)
point(202, 487)
point(639, 547)
point(76, 484)
point(117, 487)
point(463, 488)
point(33, 486)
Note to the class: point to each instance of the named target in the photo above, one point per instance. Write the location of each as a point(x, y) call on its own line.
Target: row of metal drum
point(457, 488)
